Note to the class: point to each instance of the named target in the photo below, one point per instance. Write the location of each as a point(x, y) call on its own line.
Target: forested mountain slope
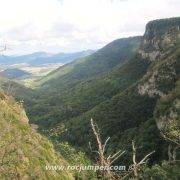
point(135, 105)
point(24, 153)
point(130, 88)
point(98, 63)
point(89, 82)
point(122, 98)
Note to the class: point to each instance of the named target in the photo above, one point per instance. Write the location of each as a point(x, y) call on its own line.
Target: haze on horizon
point(55, 26)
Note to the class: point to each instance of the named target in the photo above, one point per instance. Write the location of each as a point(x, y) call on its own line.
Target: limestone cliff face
point(160, 79)
point(160, 38)
point(167, 114)
point(160, 45)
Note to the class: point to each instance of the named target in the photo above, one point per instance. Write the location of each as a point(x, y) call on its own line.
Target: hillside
point(132, 108)
point(14, 73)
point(102, 61)
point(30, 67)
point(119, 91)
point(63, 58)
point(25, 153)
point(81, 87)
point(130, 88)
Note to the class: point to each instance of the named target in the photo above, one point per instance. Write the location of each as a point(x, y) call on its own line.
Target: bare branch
point(134, 153)
point(97, 136)
point(104, 146)
point(107, 173)
point(117, 157)
point(92, 149)
point(144, 159)
point(136, 165)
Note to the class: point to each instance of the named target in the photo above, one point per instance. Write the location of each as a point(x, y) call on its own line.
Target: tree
point(108, 161)
point(136, 167)
point(104, 161)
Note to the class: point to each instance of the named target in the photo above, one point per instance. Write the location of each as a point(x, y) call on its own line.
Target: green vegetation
point(98, 63)
point(25, 153)
point(165, 171)
point(131, 94)
point(14, 73)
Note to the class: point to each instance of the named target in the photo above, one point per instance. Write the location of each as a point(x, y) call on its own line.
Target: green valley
point(130, 88)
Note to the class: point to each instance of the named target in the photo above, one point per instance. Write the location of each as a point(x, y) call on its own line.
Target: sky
point(28, 26)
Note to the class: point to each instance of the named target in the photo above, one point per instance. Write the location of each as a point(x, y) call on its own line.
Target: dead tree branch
point(103, 160)
point(136, 165)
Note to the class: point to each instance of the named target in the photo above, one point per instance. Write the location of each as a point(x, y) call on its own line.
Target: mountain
point(63, 58)
point(36, 65)
point(23, 58)
point(66, 91)
point(130, 88)
point(118, 86)
point(24, 153)
point(14, 73)
point(102, 61)
point(162, 79)
point(40, 58)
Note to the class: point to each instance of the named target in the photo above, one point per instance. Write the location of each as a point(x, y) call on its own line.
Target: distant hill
point(41, 58)
point(14, 73)
point(61, 58)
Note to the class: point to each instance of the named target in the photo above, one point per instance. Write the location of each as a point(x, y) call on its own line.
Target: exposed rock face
point(160, 41)
point(160, 37)
point(151, 55)
point(167, 115)
point(149, 87)
point(161, 46)
point(170, 117)
point(160, 79)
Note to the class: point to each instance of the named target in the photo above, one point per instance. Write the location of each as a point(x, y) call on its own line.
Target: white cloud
point(72, 25)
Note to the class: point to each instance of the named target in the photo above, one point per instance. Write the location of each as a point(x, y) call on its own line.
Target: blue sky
point(72, 25)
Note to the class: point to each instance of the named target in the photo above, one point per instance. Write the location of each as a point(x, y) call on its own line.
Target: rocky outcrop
point(149, 87)
point(160, 37)
point(167, 115)
point(160, 46)
point(160, 79)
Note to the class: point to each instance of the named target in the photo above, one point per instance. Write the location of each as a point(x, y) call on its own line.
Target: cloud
point(73, 25)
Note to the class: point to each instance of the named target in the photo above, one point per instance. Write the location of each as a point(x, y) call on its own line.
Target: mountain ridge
point(124, 110)
point(99, 61)
point(39, 58)
point(130, 88)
